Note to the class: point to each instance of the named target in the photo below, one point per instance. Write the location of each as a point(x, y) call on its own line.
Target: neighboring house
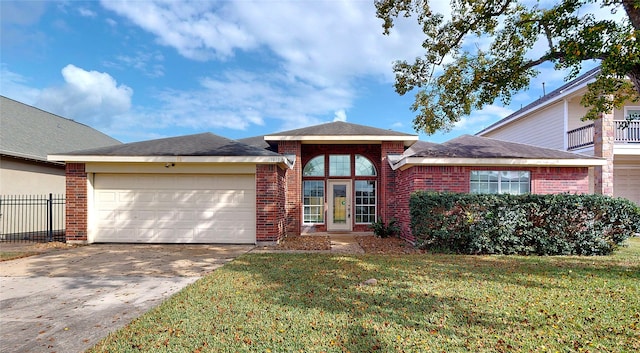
point(554, 121)
point(334, 177)
point(27, 136)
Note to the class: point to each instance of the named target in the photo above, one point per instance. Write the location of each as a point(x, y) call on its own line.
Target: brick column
point(76, 203)
point(294, 187)
point(603, 142)
point(270, 204)
point(388, 181)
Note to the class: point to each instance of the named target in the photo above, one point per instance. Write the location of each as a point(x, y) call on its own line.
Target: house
point(27, 136)
point(554, 121)
point(334, 177)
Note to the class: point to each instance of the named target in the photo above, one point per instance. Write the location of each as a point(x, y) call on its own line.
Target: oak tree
point(454, 76)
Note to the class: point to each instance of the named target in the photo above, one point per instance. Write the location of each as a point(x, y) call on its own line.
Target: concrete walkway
point(345, 244)
point(67, 300)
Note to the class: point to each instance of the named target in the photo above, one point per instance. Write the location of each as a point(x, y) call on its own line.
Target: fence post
point(50, 218)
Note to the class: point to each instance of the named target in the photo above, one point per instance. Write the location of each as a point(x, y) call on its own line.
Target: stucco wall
point(21, 177)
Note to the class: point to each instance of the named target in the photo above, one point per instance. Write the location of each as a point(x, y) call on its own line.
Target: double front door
point(339, 202)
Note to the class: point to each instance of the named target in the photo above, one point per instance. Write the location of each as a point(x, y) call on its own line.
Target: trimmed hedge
point(560, 224)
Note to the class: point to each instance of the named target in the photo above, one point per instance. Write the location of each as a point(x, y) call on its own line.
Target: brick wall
point(544, 180)
point(293, 195)
point(388, 192)
point(76, 203)
point(556, 180)
point(271, 184)
point(372, 152)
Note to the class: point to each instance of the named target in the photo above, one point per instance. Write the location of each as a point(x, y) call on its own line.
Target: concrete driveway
point(67, 300)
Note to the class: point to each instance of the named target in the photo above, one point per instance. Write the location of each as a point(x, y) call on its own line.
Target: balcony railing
point(580, 137)
point(624, 132)
point(627, 131)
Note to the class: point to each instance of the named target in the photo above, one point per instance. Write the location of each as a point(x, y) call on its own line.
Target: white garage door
point(626, 183)
point(147, 208)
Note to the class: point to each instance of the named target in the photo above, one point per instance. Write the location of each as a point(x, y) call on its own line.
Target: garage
point(626, 183)
point(174, 208)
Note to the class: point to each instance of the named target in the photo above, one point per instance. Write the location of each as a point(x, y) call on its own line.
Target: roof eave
point(174, 159)
point(409, 162)
point(518, 115)
point(343, 139)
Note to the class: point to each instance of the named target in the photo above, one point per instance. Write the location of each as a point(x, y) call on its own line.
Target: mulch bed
point(304, 243)
point(370, 244)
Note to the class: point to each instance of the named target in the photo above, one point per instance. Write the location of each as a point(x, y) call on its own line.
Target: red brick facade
point(271, 186)
point(279, 191)
point(76, 203)
point(388, 193)
point(372, 152)
point(293, 189)
point(544, 180)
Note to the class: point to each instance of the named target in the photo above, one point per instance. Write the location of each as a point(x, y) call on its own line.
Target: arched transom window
point(364, 191)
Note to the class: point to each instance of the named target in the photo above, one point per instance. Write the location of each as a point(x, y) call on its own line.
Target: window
point(365, 201)
point(315, 167)
point(364, 167)
point(313, 201)
point(500, 182)
point(340, 165)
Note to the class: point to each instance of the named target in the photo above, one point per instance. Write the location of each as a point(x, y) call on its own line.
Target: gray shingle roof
point(467, 146)
point(548, 97)
point(257, 141)
point(205, 144)
point(29, 132)
point(339, 128)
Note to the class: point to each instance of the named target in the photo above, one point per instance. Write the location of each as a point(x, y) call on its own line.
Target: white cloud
point(84, 12)
point(149, 63)
point(238, 99)
point(91, 97)
point(111, 22)
point(322, 42)
point(194, 29)
point(340, 115)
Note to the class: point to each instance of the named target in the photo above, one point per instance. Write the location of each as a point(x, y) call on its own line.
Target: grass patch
point(12, 255)
point(422, 303)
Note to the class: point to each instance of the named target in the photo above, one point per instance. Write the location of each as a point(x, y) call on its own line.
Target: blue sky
point(147, 69)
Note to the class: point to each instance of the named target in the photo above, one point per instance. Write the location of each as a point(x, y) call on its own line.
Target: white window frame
point(306, 207)
point(375, 202)
point(498, 182)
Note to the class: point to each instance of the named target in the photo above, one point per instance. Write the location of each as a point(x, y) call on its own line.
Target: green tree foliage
point(453, 80)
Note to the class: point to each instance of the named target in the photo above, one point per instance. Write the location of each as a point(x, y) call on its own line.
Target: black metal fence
point(32, 218)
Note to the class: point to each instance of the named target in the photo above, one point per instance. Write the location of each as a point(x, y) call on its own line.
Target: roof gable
point(342, 132)
point(32, 133)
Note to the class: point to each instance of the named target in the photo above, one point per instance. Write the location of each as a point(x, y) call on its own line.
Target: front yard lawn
point(275, 302)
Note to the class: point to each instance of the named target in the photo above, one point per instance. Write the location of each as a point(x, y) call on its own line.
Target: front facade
point(555, 121)
point(335, 177)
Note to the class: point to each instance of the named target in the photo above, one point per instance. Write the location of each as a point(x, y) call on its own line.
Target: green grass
point(12, 255)
point(422, 303)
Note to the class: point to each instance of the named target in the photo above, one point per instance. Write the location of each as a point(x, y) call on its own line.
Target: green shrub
point(561, 224)
point(382, 230)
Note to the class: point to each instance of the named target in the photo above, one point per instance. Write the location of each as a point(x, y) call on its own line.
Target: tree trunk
point(632, 7)
point(634, 76)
